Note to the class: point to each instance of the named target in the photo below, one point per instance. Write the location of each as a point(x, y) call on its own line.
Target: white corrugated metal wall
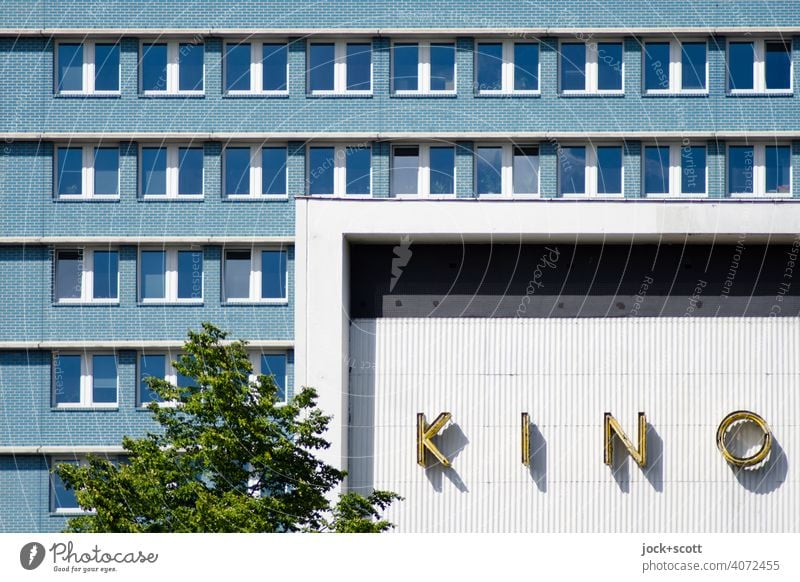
point(685, 373)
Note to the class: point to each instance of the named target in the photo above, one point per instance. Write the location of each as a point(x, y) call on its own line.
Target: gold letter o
point(747, 416)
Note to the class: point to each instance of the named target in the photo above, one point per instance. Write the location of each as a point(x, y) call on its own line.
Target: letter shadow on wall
point(653, 472)
point(451, 441)
point(767, 478)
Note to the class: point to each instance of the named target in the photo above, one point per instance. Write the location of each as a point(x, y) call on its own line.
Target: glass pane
point(66, 378)
point(405, 58)
point(154, 171)
point(190, 274)
point(740, 65)
point(61, 497)
point(526, 66)
point(572, 169)
point(526, 170)
point(70, 67)
point(656, 65)
point(150, 365)
point(273, 274)
point(104, 379)
point(275, 365)
point(273, 171)
point(320, 170)
point(154, 67)
point(274, 69)
point(740, 169)
point(357, 171)
point(190, 67)
point(237, 275)
point(237, 67)
point(405, 170)
point(190, 171)
point(490, 66)
point(778, 161)
point(69, 271)
point(573, 66)
point(237, 171)
point(106, 269)
point(693, 67)
point(489, 166)
point(778, 65)
point(359, 60)
point(443, 66)
point(70, 172)
point(153, 273)
point(183, 381)
point(321, 60)
point(442, 170)
point(609, 66)
point(693, 170)
point(656, 168)
point(106, 171)
point(106, 67)
point(609, 170)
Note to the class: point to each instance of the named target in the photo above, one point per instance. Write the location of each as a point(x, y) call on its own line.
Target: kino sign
point(611, 428)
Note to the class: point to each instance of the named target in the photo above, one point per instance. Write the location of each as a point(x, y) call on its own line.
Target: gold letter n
point(611, 427)
point(426, 433)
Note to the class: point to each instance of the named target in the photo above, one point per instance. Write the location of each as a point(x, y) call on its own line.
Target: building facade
point(562, 209)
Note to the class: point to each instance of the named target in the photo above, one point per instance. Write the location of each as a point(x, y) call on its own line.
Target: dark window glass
point(693, 170)
point(70, 67)
point(69, 273)
point(656, 169)
point(526, 66)
point(778, 161)
point(154, 171)
point(405, 170)
point(150, 365)
point(190, 171)
point(273, 171)
point(237, 67)
point(442, 170)
point(106, 171)
point(526, 169)
point(154, 67)
point(237, 274)
point(741, 162)
point(357, 169)
point(237, 171)
point(490, 66)
point(190, 67)
point(153, 273)
point(572, 169)
point(106, 67)
point(609, 170)
point(740, 65)
point(69, 181)
point(656, 65)
point(106, 270)
point(320, 170)
point(61, 497)
point(359, 64)
point(66, 378)
point(104, 379)
point(274, 68)
point(573, 66)
point(443, 66)
point(190, 274)
point(321, 59)
point(489, 168)
point(693, 65)
point(609, 66)
point(405, 61)
point(273, 274)
point(778, 65)
point(275, 365)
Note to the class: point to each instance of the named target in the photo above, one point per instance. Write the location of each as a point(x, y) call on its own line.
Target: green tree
point(229, 458)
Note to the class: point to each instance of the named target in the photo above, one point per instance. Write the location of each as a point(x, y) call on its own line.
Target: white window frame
point(759, 171)
point(256, 67)
point(255, 362)
point(255, 277)
point(340, 170)
point(508, 68)
point(170, 276)
point(507, 171)
point(173, 68)
point(592, 172)
point(255, 172)
point(88, 68)
point(87, 277)
point(87, 172)
point(173, 172)
point(424, 170)
point(170, 374)
point(424, 67)
point(675, 67)
point(675, 171)
point(87, 379)
point(759, 66)
point(340, 67)
point(590, 87)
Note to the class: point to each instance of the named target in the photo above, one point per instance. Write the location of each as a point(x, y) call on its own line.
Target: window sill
point(178, 95)
point(170, 303)
point(592, 94)
point(759, 197)
point(84, 408)
point(782, 94)
point(256, 95)
point(340, 95)
point(179, 198)
point(259, 198)
point(413, 95)
point(71, 513)
point(114, 303)
point(81, 95)
point(249, 303)
point(71, 199)
point(509, 95)
point(651, 95)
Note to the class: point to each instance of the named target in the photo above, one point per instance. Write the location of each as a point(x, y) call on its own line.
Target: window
point(506, 169)
point(158, 365)
point(84, 379)
point(339, 170)
point(86, 171)
point(86, 276)
point(256, 67)
point(591, 67)
point(760, 169)
point(172, 68)
point(674, 170)
point(255, 171)
point(62, 499)
point(507, 67)
point(255, 276)
point(171, 171)
point(271, 364)
point(424, 67)
point(675, 66)
point(339, 67)
point(590, 170)
point(423, 170)
point(759, 66)
point(170, 276)
point(89, 67)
